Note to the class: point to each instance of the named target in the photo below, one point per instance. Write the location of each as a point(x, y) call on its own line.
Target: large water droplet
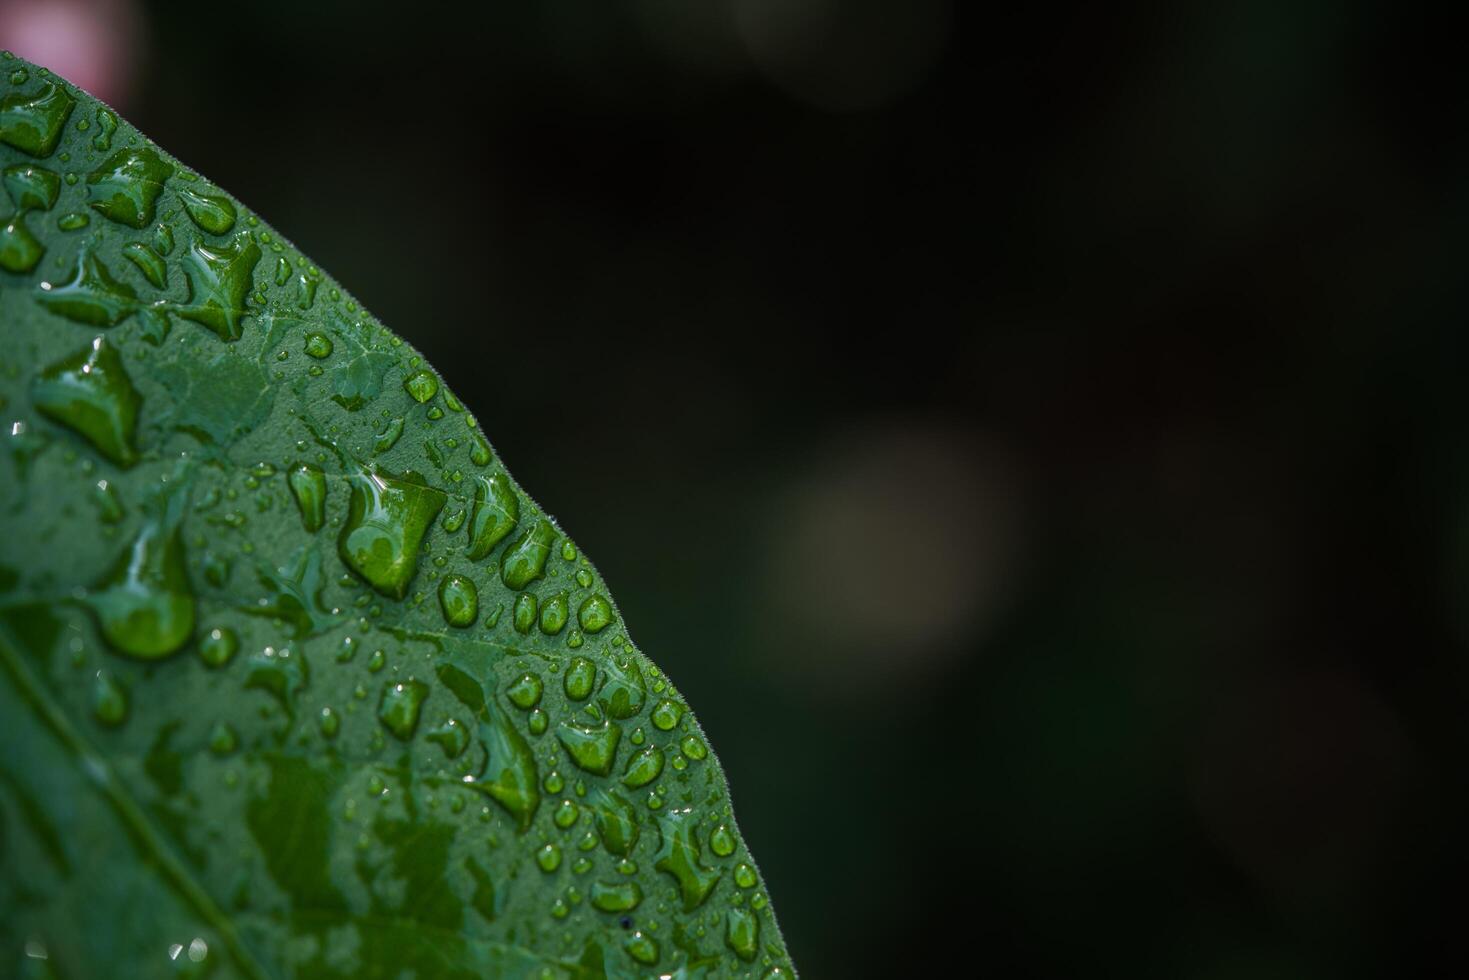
point(399, 707)
point(219, 279)
point(523, 616)
point(91, 393)
point(144, 605)
point(554, 612)
point(678, 855)
point(459, 600)
point(32, 122)
point(308, 486)
point(421, 386)
point(643, 767)
point(616, 820)
point(32, 187)
point(595, 614)
point(20, 250)
point(623, 690)
point(386, 521)
point(525, 557)
point(92, 296)
point(148, 262)
point(592, 749)
point(641, 947)
point(525, 691)
point(581, 674)
point(622, 896)
point(213, 213)
point(742, 932)
point(496, 511)
point(125, 187)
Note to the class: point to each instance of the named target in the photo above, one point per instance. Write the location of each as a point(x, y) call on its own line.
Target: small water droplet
point(525, 691)
point(318, 345)
point(524, 613)
point(742, 933)
point(109, 701)
point(218, 646)
point(421, 386)
point(643, 767)
point(721, 841)
point(330, 722)
point(621, 896)
point(641, 947)
point(308, 486)
point(554, 613)
point(549, 858)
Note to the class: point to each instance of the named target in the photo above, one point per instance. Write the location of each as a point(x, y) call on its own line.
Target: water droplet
point(451, 736)
point(144, 604)
point(616, 821)
point(623, 690)
point(388, 438)
point(163, 239)
point(92, 296)
point(495, 513)
point(566, 814)
point(218, 646)
point(595, 614)
point(525, 691)
point(33, 123)
point(459, 600)
point(554, 612)
point(222, 739)
point(721, 841)
point(109, 700)
point(148, 262)
point(525, 558)
point(73, 221)
point(330, 722)
point(679, 857)
point(592, 749)
point(386, 521)
point(538, 722)
point(666, 715)
point(32, 187)
point(643, 767)
point(91, 393)
point(693, 747)
point(219, 278)
point(308, 486)
point(376, 661)
point(213, 213)
point(641, 947)
point(581, 674)
point(549, 858)
point(318, 345)
point(744, 875)
point(125, 187)
point(106, 126)
point(20, 250)
point(622, 896)
point(421, 386)
point(524, 613)
point(398, 709)
point(584, 578)
point(742, 932)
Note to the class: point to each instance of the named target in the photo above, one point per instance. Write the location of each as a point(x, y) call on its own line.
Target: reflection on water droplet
point(524, 613)
point(213, 213)
point(125, 187)
point(744, 875)
point(421, 386)
point(642, 948)
point(721, 841)
point(318, 345)
point(666, 715)
point(525, 558)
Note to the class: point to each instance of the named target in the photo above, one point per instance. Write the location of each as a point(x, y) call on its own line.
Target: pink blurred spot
point(91, 43)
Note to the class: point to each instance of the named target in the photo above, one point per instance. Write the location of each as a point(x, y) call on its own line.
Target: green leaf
point(296, 680)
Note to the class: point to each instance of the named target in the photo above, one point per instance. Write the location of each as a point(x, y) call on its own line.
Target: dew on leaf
point(525, 691)
point(553, 614)
point(91, 393)
point(308, 487)
point(399, 706)
point(523, 616)
point(387, 518)
point(218, 646)
point(125, 186)
point(109, 700)
point(592, 749)
point(525, 557)
point(495, 513)
point(595, 614)
point(32, 123)
point(581, 674)
point(459, 601)
point(643, 767)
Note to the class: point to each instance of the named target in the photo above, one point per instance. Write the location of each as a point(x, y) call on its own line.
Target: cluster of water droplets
point(408, 647)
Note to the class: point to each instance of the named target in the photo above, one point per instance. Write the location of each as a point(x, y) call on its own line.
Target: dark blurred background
point(1034, 440)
